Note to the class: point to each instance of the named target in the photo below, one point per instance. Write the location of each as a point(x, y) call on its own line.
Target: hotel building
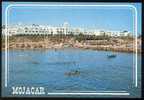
point(63, 29)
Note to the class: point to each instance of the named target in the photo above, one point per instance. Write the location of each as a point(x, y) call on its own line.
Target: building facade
point(64, 29)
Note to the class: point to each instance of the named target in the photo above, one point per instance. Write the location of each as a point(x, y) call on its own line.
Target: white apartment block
point(64, 29)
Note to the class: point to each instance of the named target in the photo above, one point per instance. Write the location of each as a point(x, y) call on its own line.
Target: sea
point(99, 74)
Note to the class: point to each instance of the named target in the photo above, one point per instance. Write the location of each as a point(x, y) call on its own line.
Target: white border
point(100, 93)
point(6, 43)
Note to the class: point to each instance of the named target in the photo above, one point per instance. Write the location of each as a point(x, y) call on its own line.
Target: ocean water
point(98, 73)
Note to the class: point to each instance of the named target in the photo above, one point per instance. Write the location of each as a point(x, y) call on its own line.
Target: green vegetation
point(62, 37)
point(103, 42)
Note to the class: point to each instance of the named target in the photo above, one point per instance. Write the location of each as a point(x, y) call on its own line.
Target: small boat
point(111, 56)
point(73, 73)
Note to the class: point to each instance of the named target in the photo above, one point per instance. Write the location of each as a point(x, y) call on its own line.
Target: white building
point(63, 29)
point(97, 32)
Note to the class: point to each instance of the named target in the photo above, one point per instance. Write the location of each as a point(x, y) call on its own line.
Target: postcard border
point(112, 93)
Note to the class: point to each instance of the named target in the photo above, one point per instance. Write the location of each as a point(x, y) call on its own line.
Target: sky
point(101, 18)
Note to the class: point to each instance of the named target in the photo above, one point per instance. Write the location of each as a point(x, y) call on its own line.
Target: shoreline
point(126, 50)
point(110, 44)
point(84, 48)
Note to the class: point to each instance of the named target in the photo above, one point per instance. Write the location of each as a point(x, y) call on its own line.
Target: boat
point(111, 56)
point(73, 73)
